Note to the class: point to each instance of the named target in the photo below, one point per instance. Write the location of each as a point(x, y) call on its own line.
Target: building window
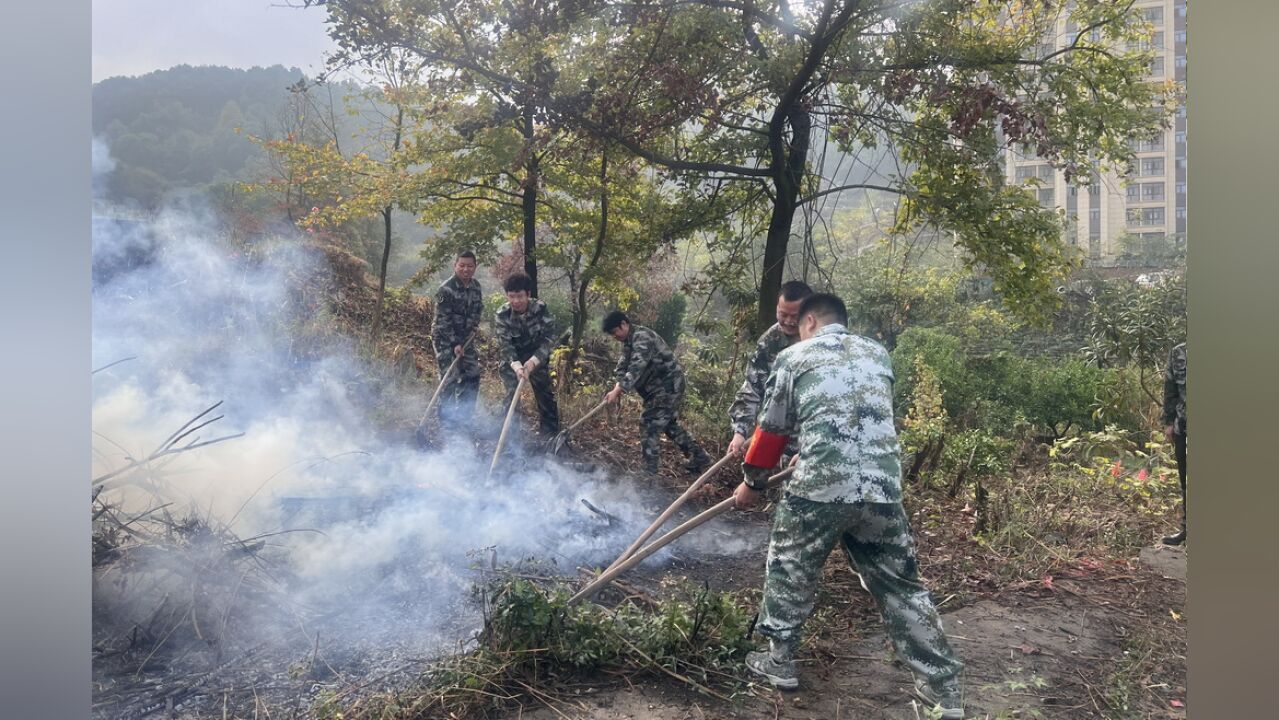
point(1145, 217)
point(1152, 192)
point(1154, 143)
point(1151, 166)
point(1156, 67)
point(1134, 192)
point(1094, 220)
point(1030, 172)
point(1155, 41)
point(1180, 62)
point(1094, 190)
point(1181, 137)
point(1179, 37)
point(1181, 213)
point(1046, 197)
point(1181, 188)
point(1154, 15)
point(1045, 172)
point(1181, 163)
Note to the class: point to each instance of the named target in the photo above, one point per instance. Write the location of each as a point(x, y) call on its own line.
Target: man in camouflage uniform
point(458, 303)
point(833, 390)
point(525, 333)
point(1175, 426)
point(649, 368)
point(783, 334)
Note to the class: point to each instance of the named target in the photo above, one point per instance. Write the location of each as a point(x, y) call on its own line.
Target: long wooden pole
point(448, 373)
point(715, 510)
point(666, 514)
point(506, 426)
point(562, 437)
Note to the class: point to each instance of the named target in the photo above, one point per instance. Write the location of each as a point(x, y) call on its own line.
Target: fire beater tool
point(666, 514)
point(506, 426)
point(444, 380)
point(715, 510)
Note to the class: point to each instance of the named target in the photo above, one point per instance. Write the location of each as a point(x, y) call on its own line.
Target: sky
point(135, 37)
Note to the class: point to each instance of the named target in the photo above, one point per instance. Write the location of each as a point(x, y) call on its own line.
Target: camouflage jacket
point(745, 407)
point(1175, 389)
point(835, 391)
point(647, 366)
point(457, 313)
point(527, 334)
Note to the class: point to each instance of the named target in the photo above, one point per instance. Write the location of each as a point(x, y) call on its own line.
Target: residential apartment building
point(1151, 203)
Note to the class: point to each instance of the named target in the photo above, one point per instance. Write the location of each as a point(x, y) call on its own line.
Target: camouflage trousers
point(661, 415)
point(548, 412)
point(877, 541)
point(457, 399)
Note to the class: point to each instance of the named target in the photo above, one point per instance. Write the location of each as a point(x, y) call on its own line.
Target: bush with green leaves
point(942, 353)
point(1136, 326)
point(670, 318)
point(1054, 397)
point(974, 454)
point(926, 420)
point(534, 639)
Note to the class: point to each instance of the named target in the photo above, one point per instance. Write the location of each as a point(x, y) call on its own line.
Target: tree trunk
point(381, 278)
point(386, 224)
point(917, 462)
point(789, 164)
point(531, 180)
point(579, 306)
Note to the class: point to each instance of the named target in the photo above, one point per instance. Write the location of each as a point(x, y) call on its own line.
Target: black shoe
point(1176, 538)
point(698, 463)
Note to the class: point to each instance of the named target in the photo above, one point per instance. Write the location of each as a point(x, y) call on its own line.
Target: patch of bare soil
point(1059, 650)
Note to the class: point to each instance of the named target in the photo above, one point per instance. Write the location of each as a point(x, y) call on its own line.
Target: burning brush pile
point(177, 597)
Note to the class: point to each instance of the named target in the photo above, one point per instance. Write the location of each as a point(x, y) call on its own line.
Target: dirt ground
point(1034, 653)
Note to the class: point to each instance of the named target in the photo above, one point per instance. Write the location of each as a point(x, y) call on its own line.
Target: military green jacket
point(457, 313)
point(524, 335)
point(1175, 389)
point(647, 366)
point(835, 392)
point(745, 407)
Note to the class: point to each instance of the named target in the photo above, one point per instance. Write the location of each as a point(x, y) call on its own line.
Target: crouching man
point(833, 391)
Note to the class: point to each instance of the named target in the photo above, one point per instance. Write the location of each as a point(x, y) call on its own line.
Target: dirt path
point(1032, 654)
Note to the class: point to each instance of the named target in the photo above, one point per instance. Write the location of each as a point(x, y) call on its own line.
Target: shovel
point(506, 426)
point(561, 439)
point(715, 510)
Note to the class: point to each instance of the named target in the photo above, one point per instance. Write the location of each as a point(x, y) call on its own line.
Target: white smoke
point(102, 165)
point(368, 519)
